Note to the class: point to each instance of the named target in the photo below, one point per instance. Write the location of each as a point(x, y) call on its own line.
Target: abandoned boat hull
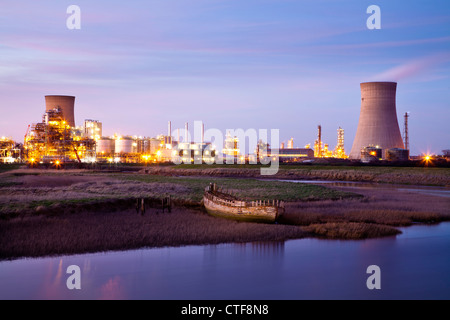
point(239, 210)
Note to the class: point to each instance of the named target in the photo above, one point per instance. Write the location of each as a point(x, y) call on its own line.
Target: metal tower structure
point(405, 131)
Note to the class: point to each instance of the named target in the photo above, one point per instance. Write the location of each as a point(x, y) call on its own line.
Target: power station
point(56, 139)
point(378, 125)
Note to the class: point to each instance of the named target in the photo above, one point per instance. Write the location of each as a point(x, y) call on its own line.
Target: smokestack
point(186, 133)
point(203, 133)
point(378, 125)
point(169, 133)
point(291, 144)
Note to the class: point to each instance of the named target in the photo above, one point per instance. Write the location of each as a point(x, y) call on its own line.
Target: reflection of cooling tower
point(378, 125)
point(66, 103)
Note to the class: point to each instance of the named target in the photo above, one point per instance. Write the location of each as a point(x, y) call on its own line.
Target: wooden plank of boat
point(227, 206)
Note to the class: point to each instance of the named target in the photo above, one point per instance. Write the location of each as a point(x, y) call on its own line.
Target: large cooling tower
point(378, 125)
point(66, 103)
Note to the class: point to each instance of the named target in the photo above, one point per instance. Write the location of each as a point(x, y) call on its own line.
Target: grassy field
point(27, 193)
point(381, 174)
point(248, 189)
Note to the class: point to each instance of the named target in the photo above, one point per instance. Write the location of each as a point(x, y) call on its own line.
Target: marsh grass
point(248, 189)
point(380, 210)
point(82, 212)
point(350, 230)
point(87, 231)
point(386, 217)
point(380, 174)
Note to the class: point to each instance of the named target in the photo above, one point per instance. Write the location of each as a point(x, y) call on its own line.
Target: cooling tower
point(66, 103)
point(378, 125)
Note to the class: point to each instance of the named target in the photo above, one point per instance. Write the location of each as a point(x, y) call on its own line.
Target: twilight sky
point(281, 64)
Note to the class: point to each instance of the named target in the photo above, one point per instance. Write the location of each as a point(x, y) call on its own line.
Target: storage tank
point(155, 145)
point(126, 145)
point(378, 125)
point(397, 154)
point(67, 105)
point(371, 153)
point(106, 146)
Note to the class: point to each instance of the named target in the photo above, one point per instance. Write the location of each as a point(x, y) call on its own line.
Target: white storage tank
point(126, 145)
point(106, 146)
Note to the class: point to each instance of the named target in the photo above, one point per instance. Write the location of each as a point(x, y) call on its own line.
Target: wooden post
point(142, 206)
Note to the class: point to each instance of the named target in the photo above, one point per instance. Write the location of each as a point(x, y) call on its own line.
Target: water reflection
point(414, 265)
point(254, 250)
point(113, 289)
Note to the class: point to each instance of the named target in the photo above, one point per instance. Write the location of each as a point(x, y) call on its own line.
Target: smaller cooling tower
point(378, 125)
point(67, 105)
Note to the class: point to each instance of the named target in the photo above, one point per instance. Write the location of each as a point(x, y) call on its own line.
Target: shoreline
point(84, 225)
point(389, 175)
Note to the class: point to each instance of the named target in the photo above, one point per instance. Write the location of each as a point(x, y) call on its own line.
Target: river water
point(413, 265)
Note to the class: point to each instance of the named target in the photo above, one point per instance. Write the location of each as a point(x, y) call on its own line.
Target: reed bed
point(96, 231)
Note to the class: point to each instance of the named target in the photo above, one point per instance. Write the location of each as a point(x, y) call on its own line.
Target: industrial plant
point(57, 140)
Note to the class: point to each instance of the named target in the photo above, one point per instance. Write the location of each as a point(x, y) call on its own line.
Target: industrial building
point(397, 154)
point(371, 154)
point(194, 153)
point(92, 129)
point(378, 125)
point(133, 149)
point(322, 150)
point(10, 152)
point(231, 146)
point(339, 150)
point(291, 154)
point(56, 139)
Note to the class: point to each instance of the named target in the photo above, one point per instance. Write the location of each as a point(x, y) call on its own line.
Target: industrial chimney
point(378, 125)
point(66, 103)
point(203, 133)
point(169, 133)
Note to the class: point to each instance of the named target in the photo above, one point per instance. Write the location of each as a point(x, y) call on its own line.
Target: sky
point(250, 64)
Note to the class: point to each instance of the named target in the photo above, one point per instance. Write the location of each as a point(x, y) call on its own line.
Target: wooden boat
point(223, 204)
